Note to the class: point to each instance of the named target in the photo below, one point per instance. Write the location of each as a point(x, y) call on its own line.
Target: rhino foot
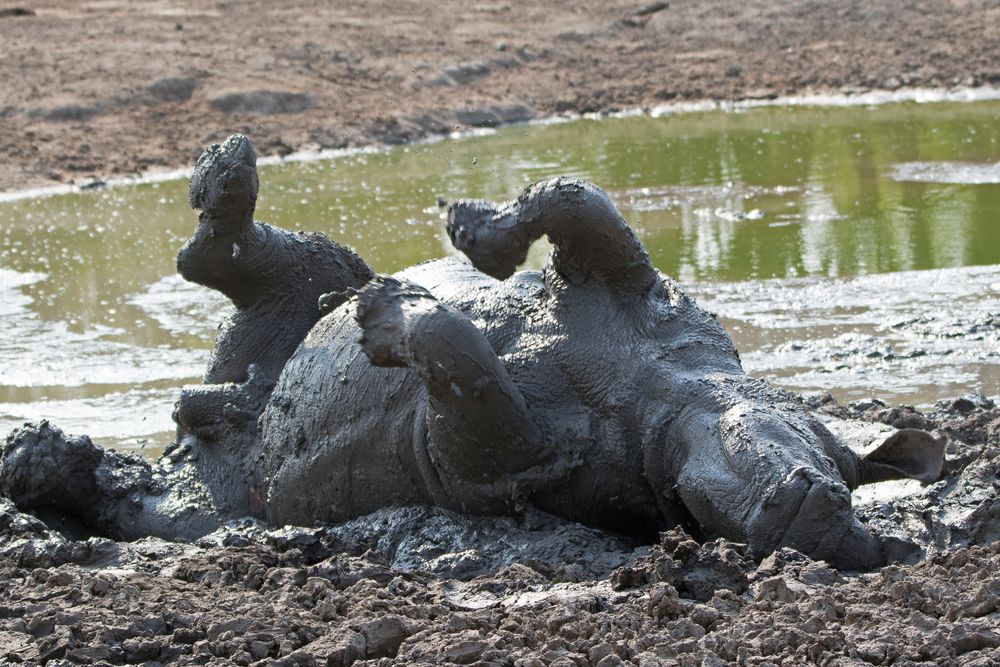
point(592, 241)
point(214, 412)
point(482, 444)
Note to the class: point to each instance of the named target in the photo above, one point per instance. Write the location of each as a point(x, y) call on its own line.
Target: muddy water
point(850, 250)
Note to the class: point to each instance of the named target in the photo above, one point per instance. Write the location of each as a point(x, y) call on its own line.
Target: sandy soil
point(108, 88)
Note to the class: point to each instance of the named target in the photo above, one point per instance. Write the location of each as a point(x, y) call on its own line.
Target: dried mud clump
point(693, 570)
point(423, 586)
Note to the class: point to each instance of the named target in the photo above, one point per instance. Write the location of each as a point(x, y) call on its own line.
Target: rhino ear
point(907, 453)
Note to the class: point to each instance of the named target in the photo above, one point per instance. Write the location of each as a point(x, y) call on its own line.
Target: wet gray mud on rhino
point(595, 391)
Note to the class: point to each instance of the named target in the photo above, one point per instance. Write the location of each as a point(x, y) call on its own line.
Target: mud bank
point(424, 586)
point(81, 81)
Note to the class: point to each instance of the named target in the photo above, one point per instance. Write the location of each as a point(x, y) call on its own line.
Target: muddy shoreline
point(98, 91)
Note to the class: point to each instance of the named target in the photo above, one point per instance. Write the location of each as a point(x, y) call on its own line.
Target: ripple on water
point(97, 381)
point(117, 419)
point(49, 354)
point(182, 308)
point(12, 299)
point(959, 173)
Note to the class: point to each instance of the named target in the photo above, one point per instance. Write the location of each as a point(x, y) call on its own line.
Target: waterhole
point(848, 250)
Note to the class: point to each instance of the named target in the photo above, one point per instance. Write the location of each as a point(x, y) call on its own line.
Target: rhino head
point(745, 460)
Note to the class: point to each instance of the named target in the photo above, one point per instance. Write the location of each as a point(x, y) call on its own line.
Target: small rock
point(494, 115)
point(866, 404)
point(99, 586)
point(601, 651)
point(663, 601)
point(383, 635)
point(55, 645)
point(965, 640)
point(779, 589)
point(187, 635)
point(610, 661)
point(65, 113)
point(236, 626)
point(89, 654)
point(260, 650)
point(465, 652)
point(172, 89)
point(652, 8)
point(138, 649)
point(59, 578)
point(463, 73)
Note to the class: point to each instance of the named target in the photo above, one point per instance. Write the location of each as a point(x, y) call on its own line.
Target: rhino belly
point(338, 434)
point(341, 437)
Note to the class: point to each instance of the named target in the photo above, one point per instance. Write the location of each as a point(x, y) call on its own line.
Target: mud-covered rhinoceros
point(594, 389)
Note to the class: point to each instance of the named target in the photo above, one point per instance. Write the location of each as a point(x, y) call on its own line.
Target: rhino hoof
point(382, 313)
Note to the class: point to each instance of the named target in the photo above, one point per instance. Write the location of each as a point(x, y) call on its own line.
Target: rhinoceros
point(594, 389)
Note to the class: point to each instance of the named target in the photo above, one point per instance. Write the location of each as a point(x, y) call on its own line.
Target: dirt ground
point(420, 586)
point(104, 88)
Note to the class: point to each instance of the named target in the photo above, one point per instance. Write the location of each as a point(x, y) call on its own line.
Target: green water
point(765, 193)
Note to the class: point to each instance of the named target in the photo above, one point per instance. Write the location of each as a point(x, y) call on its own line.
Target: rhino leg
point(274, 277)
point(213, 411)
point(277, 280)
point(220, 421)
point(592, 241)
point(760, 474)
point(482, 443)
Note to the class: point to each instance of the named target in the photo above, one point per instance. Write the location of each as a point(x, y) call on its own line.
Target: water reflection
point(94, 316)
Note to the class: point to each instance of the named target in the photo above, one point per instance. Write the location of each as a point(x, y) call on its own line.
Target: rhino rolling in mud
point(594, 389)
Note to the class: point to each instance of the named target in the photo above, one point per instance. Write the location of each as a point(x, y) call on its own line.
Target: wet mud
point(427, 586)
point(913, 335)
